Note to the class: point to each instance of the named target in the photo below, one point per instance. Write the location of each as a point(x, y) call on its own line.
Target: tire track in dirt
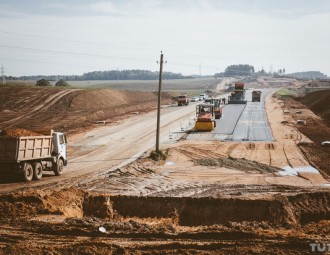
point(48, 102)
point(93, 171)
point(231, 148)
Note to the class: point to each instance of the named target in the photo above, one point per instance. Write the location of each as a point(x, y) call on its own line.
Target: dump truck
point(256, 95)
point(30, 156)
point(238, 95)
point(217, 109)
point(183, 100)
point(205, 117)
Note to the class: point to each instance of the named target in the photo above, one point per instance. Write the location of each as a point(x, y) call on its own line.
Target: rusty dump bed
point(16, 149)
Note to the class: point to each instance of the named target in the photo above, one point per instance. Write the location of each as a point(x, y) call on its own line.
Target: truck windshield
point(62, 139)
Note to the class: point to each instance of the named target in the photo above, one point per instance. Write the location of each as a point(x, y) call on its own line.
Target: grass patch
point(286, 93)
point(162, 155)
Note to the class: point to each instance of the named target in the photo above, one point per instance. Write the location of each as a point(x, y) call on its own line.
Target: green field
point(151, 85)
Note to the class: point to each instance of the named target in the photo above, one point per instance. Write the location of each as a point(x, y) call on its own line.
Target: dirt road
point(102, 150)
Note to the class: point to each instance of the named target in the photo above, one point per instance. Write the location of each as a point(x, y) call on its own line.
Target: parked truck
point(30, 156)
point(183, 100)
point(238, 95)
point(256, 95)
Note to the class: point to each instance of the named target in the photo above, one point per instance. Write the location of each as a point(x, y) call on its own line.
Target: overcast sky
point(78, 36)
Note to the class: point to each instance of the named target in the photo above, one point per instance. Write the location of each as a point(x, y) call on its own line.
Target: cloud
point(286, 8)
point(282, 8)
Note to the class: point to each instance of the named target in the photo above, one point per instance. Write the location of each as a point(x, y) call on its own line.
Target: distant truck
point(256, 95)
point(183, 100)
point(238, 95)
point(29, 156)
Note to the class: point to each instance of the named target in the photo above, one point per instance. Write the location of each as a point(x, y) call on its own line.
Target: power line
point(191, 65)
point(96, 55)
point(76, 41)
point(45, 62)
point(73, 53)
point(106, 44)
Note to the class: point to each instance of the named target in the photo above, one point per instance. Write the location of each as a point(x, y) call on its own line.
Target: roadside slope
point(70, 109)
point(318, 102)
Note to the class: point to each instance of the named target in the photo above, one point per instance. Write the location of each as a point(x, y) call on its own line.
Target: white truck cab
point(59, 146)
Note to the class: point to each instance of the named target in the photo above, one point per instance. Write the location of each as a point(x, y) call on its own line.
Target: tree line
point(237, 70)
point(107, 75)
point(309, 75)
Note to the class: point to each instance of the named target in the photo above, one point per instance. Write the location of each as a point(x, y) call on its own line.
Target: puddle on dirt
point(166, 173)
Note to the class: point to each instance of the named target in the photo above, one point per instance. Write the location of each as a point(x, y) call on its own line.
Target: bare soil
point(316, 129)
point(14, 132)
point(319, 103)
point(68, 222)
point(217, 197)
point(70, 110)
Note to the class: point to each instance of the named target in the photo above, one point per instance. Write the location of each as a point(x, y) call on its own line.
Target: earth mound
point(70, 110)
point(14, 132)
point(318, 102)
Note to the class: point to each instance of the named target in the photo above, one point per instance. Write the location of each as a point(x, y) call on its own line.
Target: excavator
point(205, 117)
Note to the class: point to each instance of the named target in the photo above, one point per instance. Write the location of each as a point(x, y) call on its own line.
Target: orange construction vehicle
point(205, 117)
point(238, 96)
point(183, 100)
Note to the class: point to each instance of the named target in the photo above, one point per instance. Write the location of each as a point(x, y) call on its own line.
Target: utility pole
point(3, 75)
point(200, 71)
point(158, 108)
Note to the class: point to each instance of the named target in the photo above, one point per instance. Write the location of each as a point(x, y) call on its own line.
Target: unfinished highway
point(97, 153)
point(240, 122)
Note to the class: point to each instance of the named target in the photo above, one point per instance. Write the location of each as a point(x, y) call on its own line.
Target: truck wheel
point(27, 172)
point(58, 167)
point(37, 171)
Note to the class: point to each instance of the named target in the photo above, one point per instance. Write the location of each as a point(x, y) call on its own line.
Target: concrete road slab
point(240, 122)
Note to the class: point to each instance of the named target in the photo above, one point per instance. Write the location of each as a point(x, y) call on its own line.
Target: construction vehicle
point(217, 109)
point(238, 95)
point(205, 117)
point(256, 95)
point(30, 156)
point(183, 100)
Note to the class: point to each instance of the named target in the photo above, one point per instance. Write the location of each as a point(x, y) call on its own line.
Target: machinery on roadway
point(183, 100)
point(238, 95)
point(256, 95)
point(217, 109)
point(29, 156)
point(205, 117)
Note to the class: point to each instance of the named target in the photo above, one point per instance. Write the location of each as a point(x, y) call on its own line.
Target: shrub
point(62, 82)
point(43, 83)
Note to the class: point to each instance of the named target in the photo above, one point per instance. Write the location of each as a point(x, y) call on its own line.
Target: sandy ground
point(192, 165)
point(205, 198)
